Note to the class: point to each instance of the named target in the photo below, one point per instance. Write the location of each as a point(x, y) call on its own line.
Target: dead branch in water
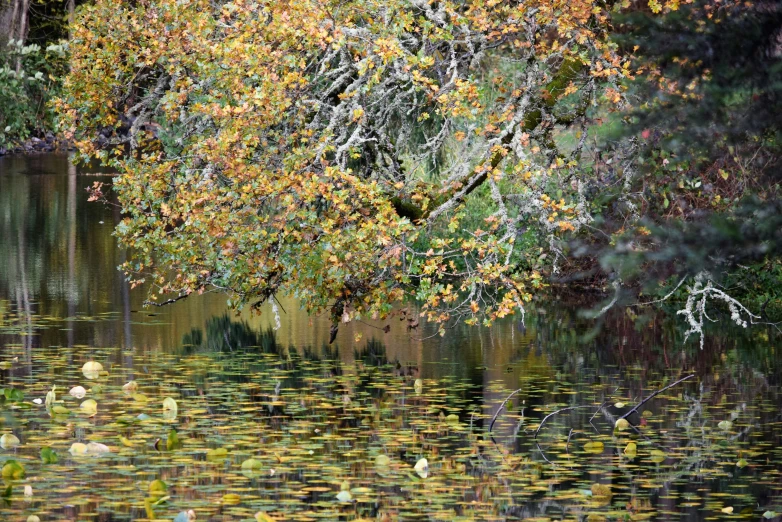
point(635, 409)
point(494, 419)
point(556, 412)
point(570, 408)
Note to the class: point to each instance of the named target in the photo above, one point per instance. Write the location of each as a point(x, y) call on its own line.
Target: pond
point(112, 411)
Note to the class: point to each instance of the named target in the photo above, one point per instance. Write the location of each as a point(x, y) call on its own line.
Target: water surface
point(281, 424)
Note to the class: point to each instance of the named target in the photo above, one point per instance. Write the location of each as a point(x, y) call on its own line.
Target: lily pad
point(231, 499)
point(631, 450)
point(382, 461)
point(48, 455)
point(422, 468)
point(13, 470)
point(252, 464)
point(157, 488)
point(170, 409)
point(216, 454)
point(92, 370)
point(78, 391)
point(344, 496)
point(9, 441)
point(90, 407)
point(596, 448)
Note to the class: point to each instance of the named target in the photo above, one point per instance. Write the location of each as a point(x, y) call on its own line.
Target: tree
point(709, 139)
point(352, 154)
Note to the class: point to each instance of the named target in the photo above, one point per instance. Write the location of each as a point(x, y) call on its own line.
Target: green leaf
point(173, 442)
point(216, 454)
point(13, 470)
point(252, 464)
point(157, 488)
point(48, 455)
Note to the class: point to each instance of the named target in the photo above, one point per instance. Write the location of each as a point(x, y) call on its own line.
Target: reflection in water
point(317, 416)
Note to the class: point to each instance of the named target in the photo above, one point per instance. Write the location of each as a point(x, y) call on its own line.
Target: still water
point(266, 425)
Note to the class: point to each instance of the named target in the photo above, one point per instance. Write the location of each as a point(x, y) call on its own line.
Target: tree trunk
point(23, 22)
point(71, 4)
point(12, 23)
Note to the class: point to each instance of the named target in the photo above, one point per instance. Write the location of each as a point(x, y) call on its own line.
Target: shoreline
point(49, 143)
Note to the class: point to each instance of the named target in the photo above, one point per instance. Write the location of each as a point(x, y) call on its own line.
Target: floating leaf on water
point(170, 404)
point(263, 517)
point(727, 510)
point(143, 417)
point(419, 386)
point(12, 394)
point(657, 456)
point(78, 391)
point(130, 387)
point(170, 408)
point(173, 442)
point(140, 397)
point(78, 448)
point(13, 470)
point(216, 454)
point(631, 449)
point(9, 440)
point(33, 518)
point(60, 410)
point(231, 499)
point(619, 404)
point(96, 448)
point(422, 468)
point(28, 492)
point(770, 514)
point(157, 488)
point(742, 463)
point(48, 455)
point(38, 401)
point(344, 496)
point(725, 425)
point(601, 490)
point(90, 407)
point(91, 449)
point(452, 419)
point(51, 396)
point(382, 461)
point(647, 414)
point(621, 424)
point(252, 464)
point(595, 448)
point(92, 370)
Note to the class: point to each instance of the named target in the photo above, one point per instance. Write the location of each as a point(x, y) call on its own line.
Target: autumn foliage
point(352, 154)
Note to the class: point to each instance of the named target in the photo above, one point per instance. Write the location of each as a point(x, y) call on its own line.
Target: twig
point(542, 453)
point(595, 414)
point(164, 303)
point(567, 444)
point(494, 419)
point(554, 413)
point(279, 303)
point(647, 303)
point(635, 409)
